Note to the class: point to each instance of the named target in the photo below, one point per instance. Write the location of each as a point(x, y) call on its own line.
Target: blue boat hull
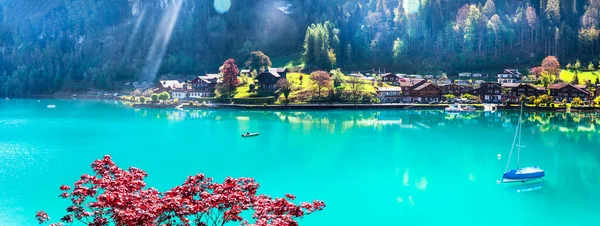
point(515, 175)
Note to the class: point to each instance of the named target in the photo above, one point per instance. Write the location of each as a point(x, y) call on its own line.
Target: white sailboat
point(520, 174)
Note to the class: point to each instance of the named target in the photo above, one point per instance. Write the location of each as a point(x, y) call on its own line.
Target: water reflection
point(524, 187)
point(576, 126)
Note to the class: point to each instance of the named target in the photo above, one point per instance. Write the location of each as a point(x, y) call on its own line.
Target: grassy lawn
point(306, 83)
point(288, 61)
point(567, 76)
point(242, 91)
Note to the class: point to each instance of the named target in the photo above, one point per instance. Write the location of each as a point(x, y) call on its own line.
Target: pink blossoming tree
point(114, 196)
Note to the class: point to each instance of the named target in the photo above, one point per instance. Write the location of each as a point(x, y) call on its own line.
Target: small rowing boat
point(250, 134)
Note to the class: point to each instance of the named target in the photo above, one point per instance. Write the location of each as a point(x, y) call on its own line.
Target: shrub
point(577, 102)
point(254, 100)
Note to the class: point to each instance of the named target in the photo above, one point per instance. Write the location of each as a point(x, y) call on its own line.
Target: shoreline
point(324, 106)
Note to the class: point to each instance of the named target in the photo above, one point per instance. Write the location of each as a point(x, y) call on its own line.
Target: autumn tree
point(537, 71)
point(489, 9)
point(258, 61)
point(321, 79)
point(577, 65)
point(230, 75)
point(551, 66)
point(575, 80)
point(285, 87)
point(114, 196)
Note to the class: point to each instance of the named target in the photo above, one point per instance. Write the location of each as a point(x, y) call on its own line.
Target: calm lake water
point(370, 167)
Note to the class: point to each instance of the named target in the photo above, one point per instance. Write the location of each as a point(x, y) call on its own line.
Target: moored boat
point(250, 134)
point(523, 174)
point(51, 106)
point(459, 108)
point(520, 174)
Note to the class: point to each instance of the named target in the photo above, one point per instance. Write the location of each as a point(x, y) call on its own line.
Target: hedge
point(254, 100)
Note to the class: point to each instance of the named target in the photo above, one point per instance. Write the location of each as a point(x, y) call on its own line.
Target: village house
point(419, 90)
point(488, 92)
point(440, 81)
point(524, 89)
point(165, 86)
point(176, 89)
point(515, 90)
point(389, 94)
point(245, 72)
point(204, 86)
point(464, 75)
point(428, 77)
point(567, 92)
point(426, 93)
point(509, 76)
point(478, 82)
point(267, 80)
point(390, 78)
point(461, 82)
point(453, 89)
point(477, 75)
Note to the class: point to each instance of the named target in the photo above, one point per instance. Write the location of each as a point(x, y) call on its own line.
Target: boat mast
point(519, 144)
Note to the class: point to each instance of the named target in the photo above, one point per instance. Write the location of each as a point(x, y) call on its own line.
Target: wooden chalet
point(390, 78)
point(567, 92)
point(426, 92)
point(204, 86)
point(453, 89)
point(267, 80)
point(419, 90)
point(489, 92)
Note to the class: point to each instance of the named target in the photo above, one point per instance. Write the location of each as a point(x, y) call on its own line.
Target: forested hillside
point(72, 45)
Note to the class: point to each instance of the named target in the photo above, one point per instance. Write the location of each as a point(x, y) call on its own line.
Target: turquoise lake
point(388, 167)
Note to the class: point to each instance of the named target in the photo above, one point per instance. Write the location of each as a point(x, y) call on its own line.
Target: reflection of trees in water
point(573, 125)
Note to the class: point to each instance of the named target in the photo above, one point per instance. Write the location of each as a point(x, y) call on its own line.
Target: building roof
point(557, 86)
point(409, 82)
point(274, 72)
point(245, 71)
point(423, 86)
point(170, 83)
point(510, 85)
point(278, 70)
point(387, 74)
point(384, 89)
point(563, 85)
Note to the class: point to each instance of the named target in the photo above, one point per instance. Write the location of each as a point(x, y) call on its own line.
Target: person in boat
point(247, 133)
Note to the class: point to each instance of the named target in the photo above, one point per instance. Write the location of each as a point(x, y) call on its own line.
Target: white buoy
point(498, 182)
point(499, 156)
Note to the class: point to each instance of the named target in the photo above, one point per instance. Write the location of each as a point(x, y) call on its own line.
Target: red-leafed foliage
point(114, 196)
point(230, 73)
point(537, 71)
